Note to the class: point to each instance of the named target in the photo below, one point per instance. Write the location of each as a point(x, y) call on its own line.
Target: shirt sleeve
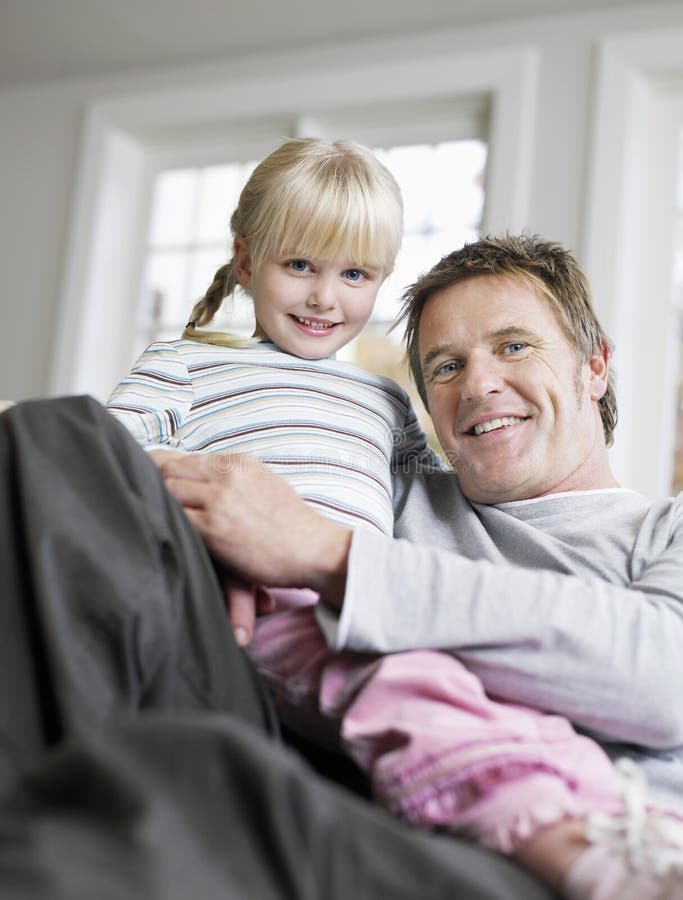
point(154, 399)
point(410, 441)
point(607, 656)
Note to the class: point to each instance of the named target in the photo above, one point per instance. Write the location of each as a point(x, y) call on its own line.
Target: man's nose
point(480, 377)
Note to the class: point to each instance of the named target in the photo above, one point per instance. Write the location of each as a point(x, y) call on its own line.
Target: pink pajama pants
point(438, 752)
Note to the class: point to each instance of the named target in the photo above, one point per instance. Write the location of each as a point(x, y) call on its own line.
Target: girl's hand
point(244, 603)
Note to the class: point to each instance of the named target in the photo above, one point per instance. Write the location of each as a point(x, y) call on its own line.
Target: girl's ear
point(599, 370)
point(242, 262)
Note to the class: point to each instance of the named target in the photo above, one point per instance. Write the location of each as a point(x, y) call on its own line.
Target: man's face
point(514, 409)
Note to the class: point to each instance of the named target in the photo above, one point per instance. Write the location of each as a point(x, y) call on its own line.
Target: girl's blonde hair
point(313, 198)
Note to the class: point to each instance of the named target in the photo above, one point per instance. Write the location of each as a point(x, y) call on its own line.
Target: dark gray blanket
point(139, 754)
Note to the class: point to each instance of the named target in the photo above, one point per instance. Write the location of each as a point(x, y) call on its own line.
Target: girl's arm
point(154, 399)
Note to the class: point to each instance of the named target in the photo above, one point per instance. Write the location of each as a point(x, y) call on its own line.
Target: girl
point(316, 232)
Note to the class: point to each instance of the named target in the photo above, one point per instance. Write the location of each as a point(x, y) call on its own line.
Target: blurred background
point(127, 130)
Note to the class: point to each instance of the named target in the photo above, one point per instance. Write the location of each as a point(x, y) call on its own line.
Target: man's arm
point(517, 606)
point(514, 603)
point(605, 656)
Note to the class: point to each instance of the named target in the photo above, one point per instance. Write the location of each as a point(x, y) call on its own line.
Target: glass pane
point(458, 183)
point(443, 194)
point(173, 207)
point(410, 166)
point(203, 263)
point(164, 288)
point(410, 262)
point(219, 191)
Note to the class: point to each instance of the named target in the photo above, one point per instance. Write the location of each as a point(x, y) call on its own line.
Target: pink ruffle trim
point(500, 802)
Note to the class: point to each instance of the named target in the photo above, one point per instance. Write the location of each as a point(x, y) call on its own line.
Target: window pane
point(458, 183)
point(443, 194)
point(173, 208)
point(189, 239)
point(219, 190)
point(410, 167)
point(203, 264)
point(164, 291)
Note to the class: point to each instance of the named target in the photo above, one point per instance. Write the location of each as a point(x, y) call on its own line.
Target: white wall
point(39, 143)
point(47, 152)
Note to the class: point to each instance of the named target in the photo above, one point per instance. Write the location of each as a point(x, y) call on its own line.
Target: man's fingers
point(190, 493)
point(207, 466)
point(184, 466)
point(162, 457)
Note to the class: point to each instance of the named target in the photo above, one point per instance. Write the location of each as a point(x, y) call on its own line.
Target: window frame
point(637, 116)
point(126, 139)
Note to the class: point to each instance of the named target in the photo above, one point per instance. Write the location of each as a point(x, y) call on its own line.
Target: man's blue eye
point(446, 369)
point(516, 347)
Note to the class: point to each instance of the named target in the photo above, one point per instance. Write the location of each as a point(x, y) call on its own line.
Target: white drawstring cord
point(649, 839)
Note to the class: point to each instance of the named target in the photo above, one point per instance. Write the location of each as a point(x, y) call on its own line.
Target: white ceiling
point(44, 40)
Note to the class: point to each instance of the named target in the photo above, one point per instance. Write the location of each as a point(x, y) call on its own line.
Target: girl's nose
point(321, 295)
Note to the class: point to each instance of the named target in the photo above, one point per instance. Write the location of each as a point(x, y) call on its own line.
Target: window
point(442, 183)
point(189, 239)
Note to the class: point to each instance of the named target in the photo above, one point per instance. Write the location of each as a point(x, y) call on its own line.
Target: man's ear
point(599, 372)
point(242, 262)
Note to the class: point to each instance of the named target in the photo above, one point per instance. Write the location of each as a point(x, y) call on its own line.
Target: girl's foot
point(635, 856)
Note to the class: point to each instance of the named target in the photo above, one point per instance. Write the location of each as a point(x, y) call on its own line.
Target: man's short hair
point(546, 267)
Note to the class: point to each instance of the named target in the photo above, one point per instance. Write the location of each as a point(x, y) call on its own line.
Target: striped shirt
point(332, 429)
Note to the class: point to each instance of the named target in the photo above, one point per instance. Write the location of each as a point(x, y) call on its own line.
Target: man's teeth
point(321, 326)
point(493, 424)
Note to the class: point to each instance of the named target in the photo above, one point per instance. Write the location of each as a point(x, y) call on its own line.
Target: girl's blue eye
point(298, 265)
point(353, 275)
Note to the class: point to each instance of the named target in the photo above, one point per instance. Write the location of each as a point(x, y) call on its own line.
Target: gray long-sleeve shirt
point(571, 603)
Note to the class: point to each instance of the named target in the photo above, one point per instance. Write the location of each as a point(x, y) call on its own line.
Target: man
point(558, 589)
point(507, 584)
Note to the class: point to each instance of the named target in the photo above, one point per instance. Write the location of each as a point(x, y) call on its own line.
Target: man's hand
point(254, 524)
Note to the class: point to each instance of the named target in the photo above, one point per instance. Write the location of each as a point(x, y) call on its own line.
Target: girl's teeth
point(320, 325)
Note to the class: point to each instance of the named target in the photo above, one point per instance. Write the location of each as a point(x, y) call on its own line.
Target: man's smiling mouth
point(495, 424)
